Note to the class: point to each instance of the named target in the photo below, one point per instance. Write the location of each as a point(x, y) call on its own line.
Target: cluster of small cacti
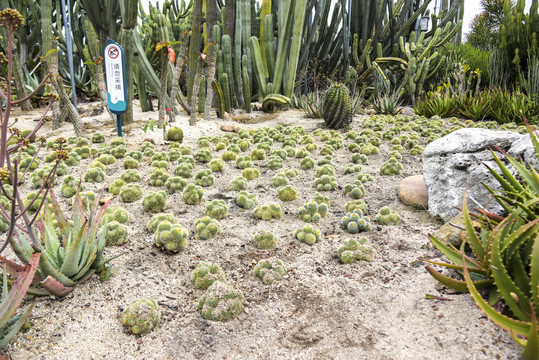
point(184, 169)
point(245, 200)
point(264, 240)
point(355, 222)
point(216, 209)
point(160, 156)
point(270, 270)
point(229, 156)
point(130, 192)
point(359, 158)
point(171, 237)
point(159, 164)
point(117, 233)
point(119, 151)
point(290, 172)
point(307, 163)
point(205, 274)
point(356, 189)
point(130, 163)
point(204, 178)
point(308, 234)
point(279, 180)
point(243, 162)
point(325, 183)
point(106, 159)
point(28, 162)
point(386, 216)
point(130, 176)
point(287, 193)
point(116, 186)
point(313, 211)
point(364, 178)
point(206, 228)
point(351, 250)
point(175, 184)
point(98, 138)
point(275, 162)
point(141, 316)
point(221, 302)
point(268, 212)
point(69, 186)
point(326, 169)
point(192, 194)
point(204, 155)
point(158, 177)
point(155, 202)
point(216, 165)
point(94, 175)
point(352, 168)
point(391, 167)
point(158, 218)
point(250, 173)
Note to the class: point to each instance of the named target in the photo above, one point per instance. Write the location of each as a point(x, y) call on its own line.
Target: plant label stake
point(116, 85)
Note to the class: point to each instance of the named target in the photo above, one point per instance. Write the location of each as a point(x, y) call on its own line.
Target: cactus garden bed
point(308, 305)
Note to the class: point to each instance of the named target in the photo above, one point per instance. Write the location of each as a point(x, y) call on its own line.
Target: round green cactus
point(170, 237)
point(239, 183)
point(264, 146)
point(204, 142)
point(229, 156)
point(243, 162)
point(73, 160)
point(97, 165)
point(33, 206)
point(351, 250)
point(192, 194)
point(204, 155)
point(84, 152)
point(186, 150)
point(391, 167)
point(264, 240)
point(206, 228)
point(117, 141)
point(159, 164)
point(307, 163)
point(301, 153)
point(118, 151)
point(275, 162)
point(364, 178)
point(130, 163)
point(175, 184)
point(216, 165)
point(250, 173)
point(337, 111)
point(130, 176)
point(386, 216)
point(287, 193)
point(141, 316)
point(116, 213)
point(158, 218)
point(146, 145)
point(27, 162)
point(354, 222)
point(308, 234)
point(175, 134)
point(221, 302)
point(116, 186)
point(352, 168)
point(279, 180)
point(326, 150)
point(325, 170)
point(155, 202)
point(98, 138)
point(216, 209)
point(244, 145)
point(185, 170)
point(130, 193)
point(204, 178)
point(69, 186)
point(354, 205)
point(356, 189)
point(117, 234)
point(174, 154)
point(280, 153)
point(245, 200)
point(313, 211)
point(39, 175)
point(268, 212)
point(158, 177)
point(359, 158)
point(94, 175)
point(270, 270)
point(290, 173)
point(258, 154)
point(290, 150)
point(205, 274)
point(325, 183)
point(319, 199)
point(160, 156)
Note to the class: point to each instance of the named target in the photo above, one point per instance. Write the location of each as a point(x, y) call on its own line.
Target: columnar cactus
point(250, 173)
point(337, 111)
point(117, 234)
point(221, 302)
point(355, 222)
point(159, 218)
point(308, 234)
point(313, 211)
point(204, 178)
point(245, 200)
point(270, 270)
point(205, 274)
point(141, 316)
point(155, 202)
point(287, 193)
point(239, 183)
point(268, 212)
point(175, 184)
point(351, 250)
point(386, 216)
point(130, 192)
point(216, 209)
point(170, 237)
point(206, 228)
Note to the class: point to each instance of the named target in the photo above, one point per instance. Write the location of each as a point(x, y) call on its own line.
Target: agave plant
point(73, 257)
point(443, 105)
point(387, 104)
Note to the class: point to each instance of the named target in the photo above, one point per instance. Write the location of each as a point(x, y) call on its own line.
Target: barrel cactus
point(175, 184)
point(116, 213)
point(356, 189)
point(175, 134)
point(130, 192)
point(159, 218)
point(337, 111)
point(141, 316)
point(192, 194)
point(270, 270)
point(205, 274)
point(170, 237)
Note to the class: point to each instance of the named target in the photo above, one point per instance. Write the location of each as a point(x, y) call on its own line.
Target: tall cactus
point(194, 50)
point(210, 76)
point(129, 11)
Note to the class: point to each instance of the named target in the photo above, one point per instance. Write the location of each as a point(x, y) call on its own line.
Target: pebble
point(412, 191)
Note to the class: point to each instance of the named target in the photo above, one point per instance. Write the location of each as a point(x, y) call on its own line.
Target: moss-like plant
point(245, 200)
point(204, 178)
point(386, 216)
point(175, 184)
point(264, 240)
point(308, 234)
point(94, 175)
point(221, 302)
point(355, 222)
point(206, 228)
point(130, 193)
point(250, 173)
point(155, 202)
point(130, 176)
point(192, 194)
point(117, 234)
point(279, 180)
point(268, 212)
point(216, 209)
point(216, 165)
point(205, 274)
point(204, 155)
point(313, 211)
point(270, 270)
point(170, 237)
point(352, 250)
point(116, 186)
point(391, 167)
point(287, 193)
point(141, 316)
point(158, 218)
point(356, 189)
point(325, 183)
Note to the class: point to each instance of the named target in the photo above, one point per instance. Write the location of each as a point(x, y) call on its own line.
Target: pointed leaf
point(455, 284)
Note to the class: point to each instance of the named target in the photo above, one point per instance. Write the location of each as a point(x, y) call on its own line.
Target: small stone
point(227, 127)
point(412, 191)
point(450, 234)
point(371, 112)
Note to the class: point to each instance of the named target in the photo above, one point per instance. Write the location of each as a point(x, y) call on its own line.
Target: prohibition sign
point(113, 52)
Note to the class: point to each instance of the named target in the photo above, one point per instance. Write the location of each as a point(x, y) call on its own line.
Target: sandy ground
point(322, 310)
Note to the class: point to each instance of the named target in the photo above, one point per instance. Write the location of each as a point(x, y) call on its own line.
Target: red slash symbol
point(113, 53)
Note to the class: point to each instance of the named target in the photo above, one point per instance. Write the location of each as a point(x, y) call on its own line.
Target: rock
point(523, 149)
point(450, 234)
point(227, 127)
point(455, 162)
point(412, 191)
point(371, 112)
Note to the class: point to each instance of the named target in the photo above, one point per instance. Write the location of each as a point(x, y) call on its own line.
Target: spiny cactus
point(117, 234)
point(290, 173)
point(158, 218)
point(170, 237)
point(352, 168)
point(130, 176)
point(206, 228)
point(119, 151)
point(98, 138)
point(94, 175)
point(221, 302)
point(174, 153)
point(216, 209)
point(308, 234)
point(279, 180)
point(364, 178)
point(243, 162)
point(216, 165)
point(270, 270)
point(28, 162)
point(359, 158)
point(354, 222)
point(245, 200)
point(97, 165)
point(175, 184)
point(159, 164)
point(268, 212)
point(229, 156)
point(386, 216)
point(264, 240)
point(325, 183)
point(141, 316)
point(185, 170)
point(313, 211)
point(307, 163)
point(275, 162)
point(351, 250)
point(204, 178)
point(287, 193)
point(337, 111)
point(301, 153)
point(325, 170)
point(130, 192)
point(158, 177)
point(258, 154)
point(116, 186)
point(73, 160)
point(326, 150)
point(192, 194)
point(69, 186)
point(204, 155)
point(34, 206)
point(205, 274)
point(175, 134)
point(391, 167)
point(115, 213)
point(354, 205)
point(160, 156)
point(130, 163)
point(250, 173)
point(146, 145)
point(155, 202)
point(356, 189)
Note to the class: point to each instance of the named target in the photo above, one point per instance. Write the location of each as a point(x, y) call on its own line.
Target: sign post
point(116, 85)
